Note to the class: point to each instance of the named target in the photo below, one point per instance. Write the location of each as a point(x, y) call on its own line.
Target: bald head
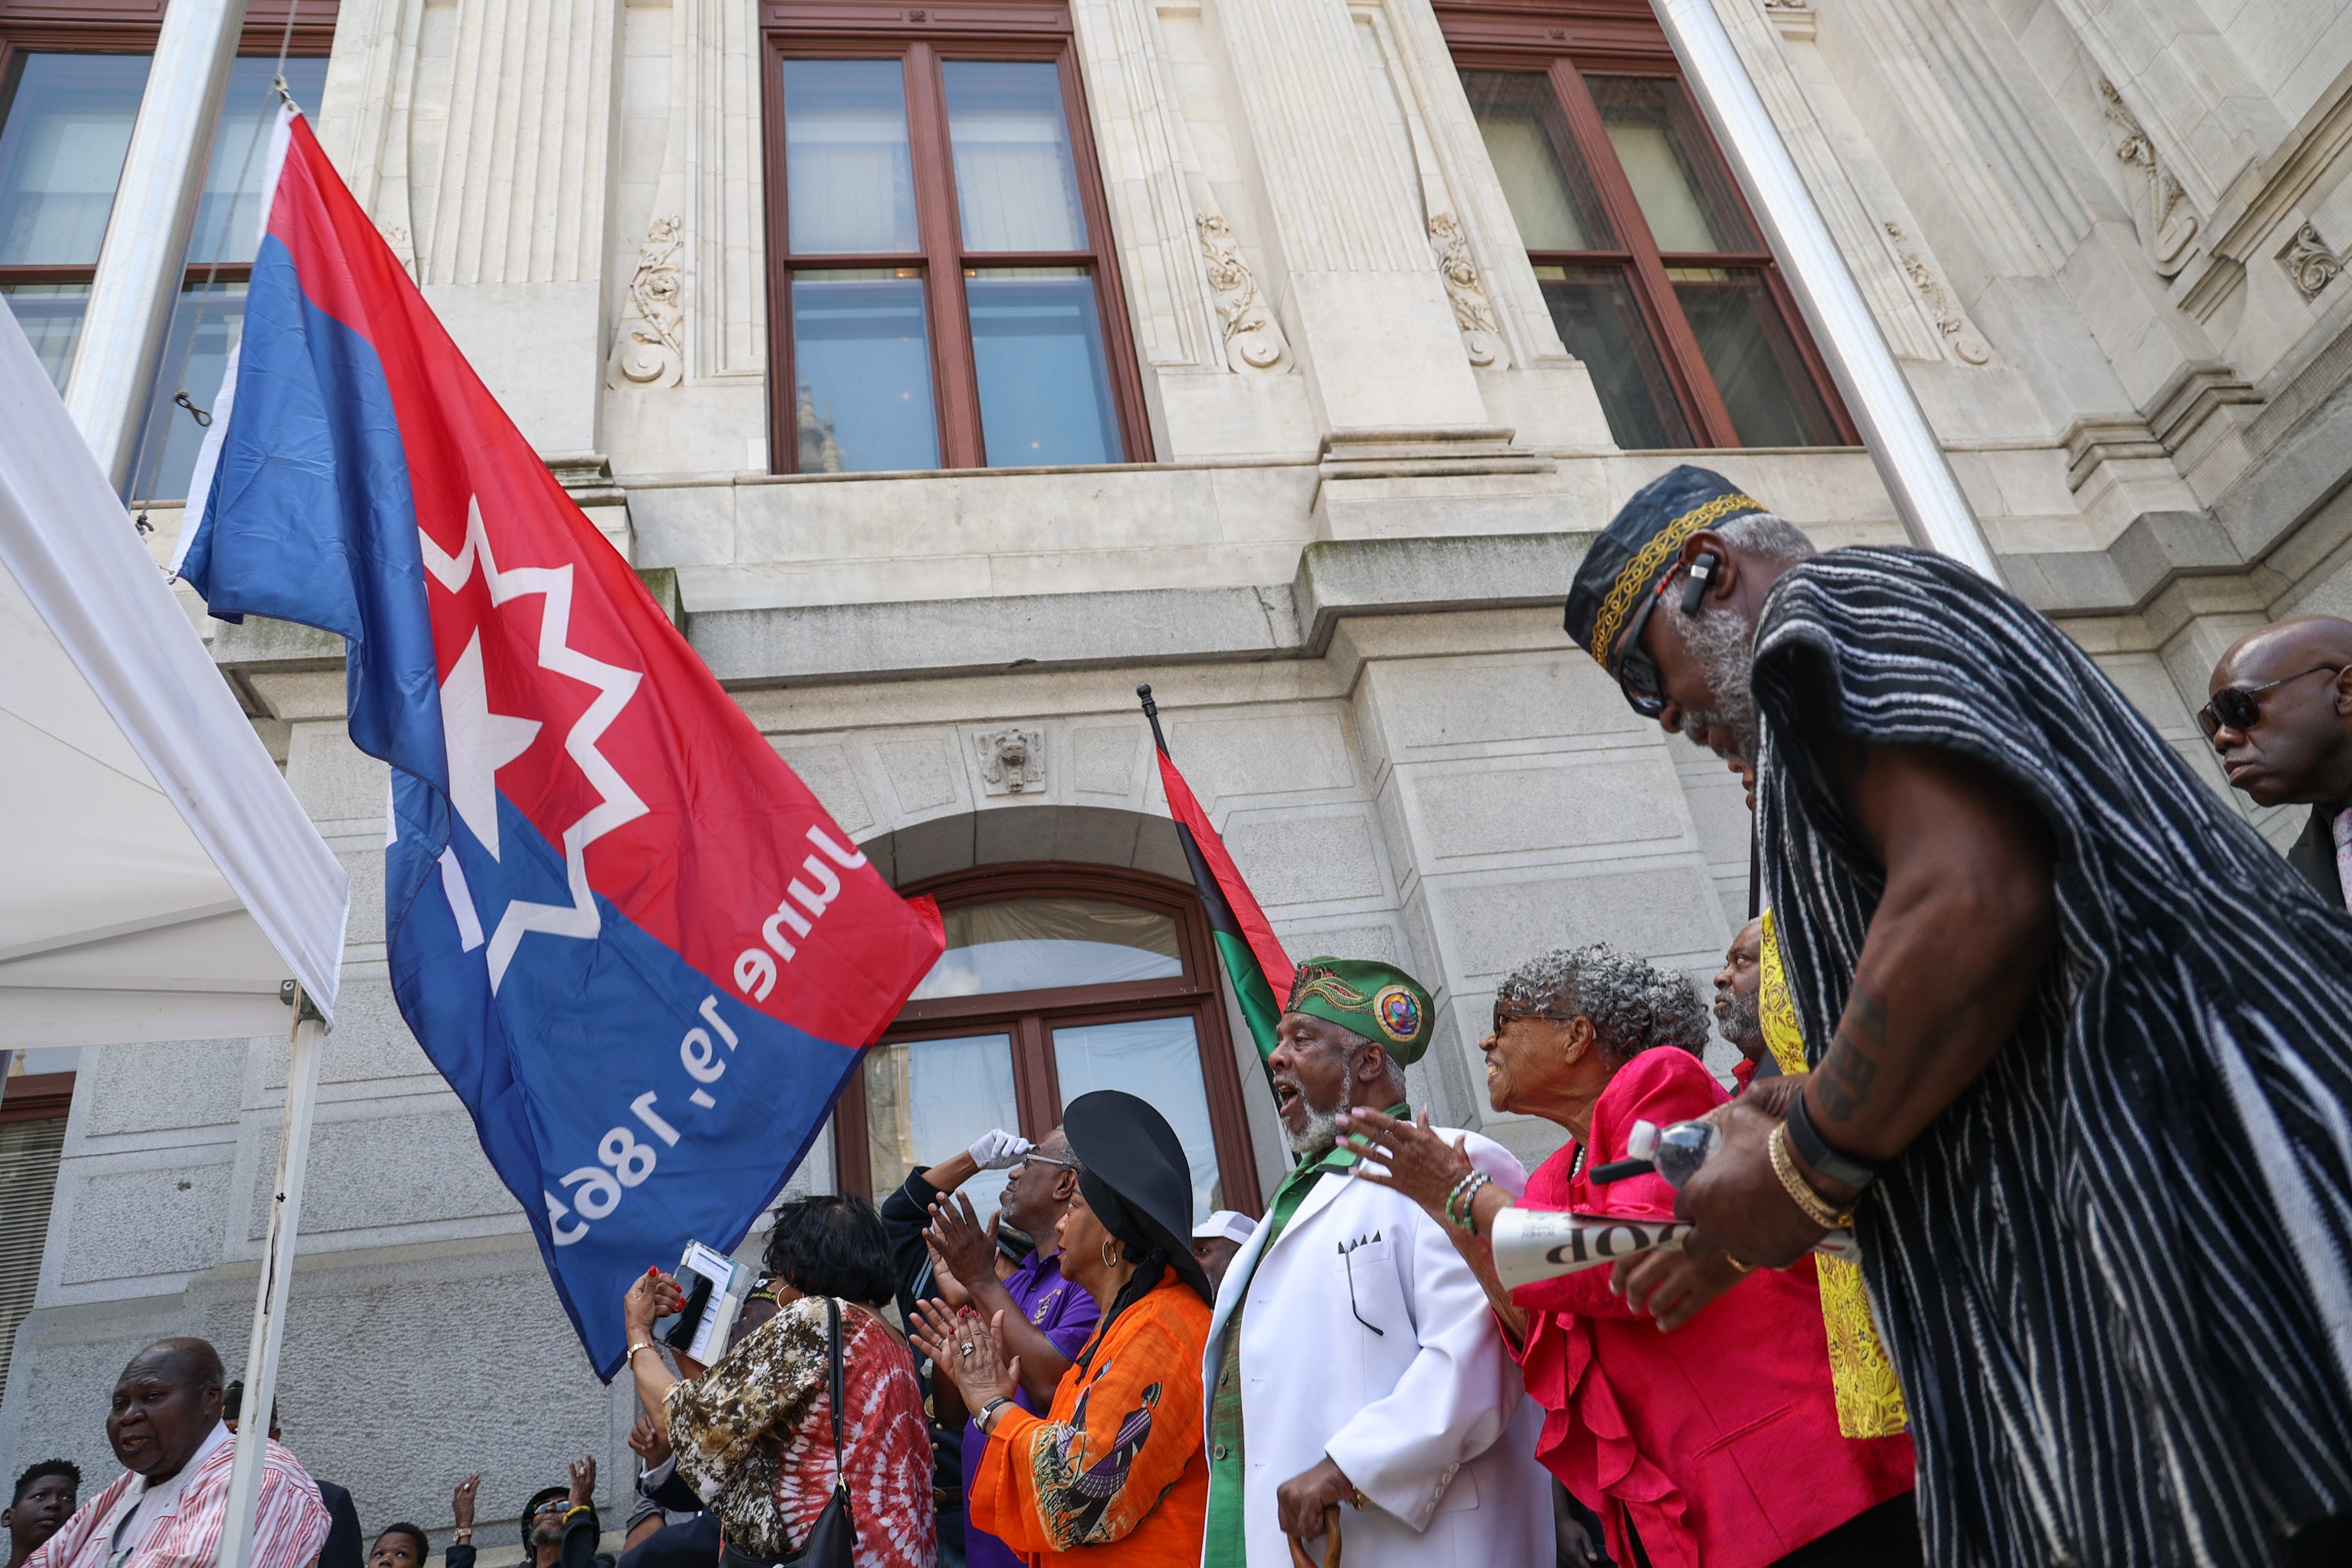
point(165, 1404)
point(2284, 734)
point(1739, 988)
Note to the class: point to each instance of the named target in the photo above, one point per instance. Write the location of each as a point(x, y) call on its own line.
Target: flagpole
point(141, 260)
point(1151, 711)
point(268, 1337)
point(1927, 494)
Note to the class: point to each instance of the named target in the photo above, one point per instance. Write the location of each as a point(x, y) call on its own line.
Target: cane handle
point(1298, 1558)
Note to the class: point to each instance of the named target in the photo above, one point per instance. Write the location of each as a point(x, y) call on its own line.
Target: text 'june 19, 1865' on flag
point(634, 942)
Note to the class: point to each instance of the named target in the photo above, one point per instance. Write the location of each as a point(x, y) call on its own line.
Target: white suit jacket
point(1428, 1418)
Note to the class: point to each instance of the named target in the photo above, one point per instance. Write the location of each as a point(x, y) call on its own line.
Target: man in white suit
point(1353, 1360)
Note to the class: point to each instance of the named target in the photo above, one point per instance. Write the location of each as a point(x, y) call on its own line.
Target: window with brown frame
point(942, 288)
point(1655, 271)
point(32, 1145)
point(72, 72)
point(1057, 980)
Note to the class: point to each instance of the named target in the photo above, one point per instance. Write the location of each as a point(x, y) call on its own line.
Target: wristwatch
point(1816, 1152)
point(988, 1414)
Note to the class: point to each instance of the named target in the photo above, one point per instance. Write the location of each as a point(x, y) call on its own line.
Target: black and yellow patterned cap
point(1641, 545)
point(1378, 1001)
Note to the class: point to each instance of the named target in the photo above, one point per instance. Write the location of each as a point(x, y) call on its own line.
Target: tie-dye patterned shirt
point(754, 1437)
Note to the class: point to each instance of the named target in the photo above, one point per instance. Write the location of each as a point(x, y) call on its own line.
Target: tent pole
point(270, 1301)
point(1926, 495)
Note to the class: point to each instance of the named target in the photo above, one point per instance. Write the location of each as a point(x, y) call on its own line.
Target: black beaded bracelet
point(1816, 1152)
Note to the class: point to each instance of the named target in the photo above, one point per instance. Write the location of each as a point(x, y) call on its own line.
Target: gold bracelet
point(1743, 1269)
point(640, 1346)
point(1801, 1192)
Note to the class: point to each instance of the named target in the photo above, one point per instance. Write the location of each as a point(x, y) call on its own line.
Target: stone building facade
point(1351, 373)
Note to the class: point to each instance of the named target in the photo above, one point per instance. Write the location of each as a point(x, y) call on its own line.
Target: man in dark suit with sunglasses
point(2281, 716)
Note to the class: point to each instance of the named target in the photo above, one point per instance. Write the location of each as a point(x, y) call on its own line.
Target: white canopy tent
point(158, 881)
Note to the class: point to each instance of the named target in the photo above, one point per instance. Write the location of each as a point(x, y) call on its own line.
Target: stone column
point(1350, 265)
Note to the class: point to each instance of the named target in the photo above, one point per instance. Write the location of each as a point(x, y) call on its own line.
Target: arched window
point(1058, 979)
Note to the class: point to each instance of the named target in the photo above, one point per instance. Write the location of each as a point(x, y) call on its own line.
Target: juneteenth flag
point(1261, 970)
point(637, 945)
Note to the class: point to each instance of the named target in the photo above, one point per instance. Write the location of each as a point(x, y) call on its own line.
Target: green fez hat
point(1378, 1001)
point(1638, 548)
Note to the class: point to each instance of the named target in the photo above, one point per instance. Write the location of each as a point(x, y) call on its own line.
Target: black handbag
point(832, 1540)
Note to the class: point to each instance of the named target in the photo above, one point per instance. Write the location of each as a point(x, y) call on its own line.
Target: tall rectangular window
point(944, 291)
point(68, 101)
point(1655, 274)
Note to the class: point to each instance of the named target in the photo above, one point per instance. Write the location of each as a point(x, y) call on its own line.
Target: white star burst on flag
point(484, 738)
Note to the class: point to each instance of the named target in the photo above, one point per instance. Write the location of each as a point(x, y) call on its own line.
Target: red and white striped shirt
point(288, 1528)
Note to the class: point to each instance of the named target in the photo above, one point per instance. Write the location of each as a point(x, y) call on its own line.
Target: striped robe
point(289, 1525)
point(2113, 1272)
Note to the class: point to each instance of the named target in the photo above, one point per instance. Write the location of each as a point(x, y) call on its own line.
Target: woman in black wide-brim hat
point(1115, 1468)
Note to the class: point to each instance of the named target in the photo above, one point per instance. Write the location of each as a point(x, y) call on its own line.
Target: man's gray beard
point(1742, 1021)
point(1320, 1136)
point(1725, 648)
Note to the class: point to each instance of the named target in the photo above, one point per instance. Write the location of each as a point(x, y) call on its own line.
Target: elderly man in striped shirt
point(168, 1508)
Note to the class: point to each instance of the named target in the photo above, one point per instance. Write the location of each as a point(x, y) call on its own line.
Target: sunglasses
point(1637, 674)
point(1028, 1160)
point(2234, 707)
point(1504, 1014)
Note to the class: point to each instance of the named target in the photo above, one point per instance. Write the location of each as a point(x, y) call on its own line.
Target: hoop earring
point(1105, 1254)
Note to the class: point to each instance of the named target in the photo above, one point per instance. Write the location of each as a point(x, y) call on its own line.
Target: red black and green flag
point(1254, 958)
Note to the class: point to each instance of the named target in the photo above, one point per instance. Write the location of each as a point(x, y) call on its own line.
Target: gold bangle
point(640, 1346)
point(1739, 1267)
point(1801, 1192)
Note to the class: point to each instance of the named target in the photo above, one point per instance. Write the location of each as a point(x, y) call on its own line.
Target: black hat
point(1134, 1175)
point(1639, 546)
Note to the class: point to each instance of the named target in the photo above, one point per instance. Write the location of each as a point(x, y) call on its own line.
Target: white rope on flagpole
point(1911, 461)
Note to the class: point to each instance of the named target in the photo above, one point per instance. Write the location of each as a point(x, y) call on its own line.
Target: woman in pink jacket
point(1703, 1438)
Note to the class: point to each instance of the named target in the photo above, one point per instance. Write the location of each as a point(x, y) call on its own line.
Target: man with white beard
point(2077, 1038)
point(1353, 1364)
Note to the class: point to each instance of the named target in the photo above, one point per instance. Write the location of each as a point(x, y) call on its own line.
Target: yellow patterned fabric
point(1869, 1399)
point(1642, 571)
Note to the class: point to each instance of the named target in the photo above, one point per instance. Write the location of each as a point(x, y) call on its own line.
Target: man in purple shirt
point(1047, 1320)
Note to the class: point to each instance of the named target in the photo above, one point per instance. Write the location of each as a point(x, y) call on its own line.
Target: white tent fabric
point(158, 880)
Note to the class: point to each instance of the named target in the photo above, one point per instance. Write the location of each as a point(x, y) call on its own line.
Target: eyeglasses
point(1028, 1160)
point(2235, 708)
point(1637, 673)
point(1516, 1014)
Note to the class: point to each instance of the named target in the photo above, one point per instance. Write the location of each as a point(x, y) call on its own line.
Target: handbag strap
point(832, 1376)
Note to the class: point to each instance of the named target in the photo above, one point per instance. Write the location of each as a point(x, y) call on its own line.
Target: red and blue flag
point(633, 941)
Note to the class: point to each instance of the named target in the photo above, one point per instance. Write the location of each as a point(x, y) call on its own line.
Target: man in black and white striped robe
point(2083, 1049)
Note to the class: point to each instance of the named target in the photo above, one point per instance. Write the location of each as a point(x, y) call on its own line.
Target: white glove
point(998, 1149)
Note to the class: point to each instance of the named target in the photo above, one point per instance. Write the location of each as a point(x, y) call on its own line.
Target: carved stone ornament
point(651, 348)
point(1012, 761)
point(1473, 315)
point(1959, 337)
point(1253, 339)
point(2310, 262)
point(2166, 222)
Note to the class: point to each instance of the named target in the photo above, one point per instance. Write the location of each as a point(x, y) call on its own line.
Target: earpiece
point(1701, 570)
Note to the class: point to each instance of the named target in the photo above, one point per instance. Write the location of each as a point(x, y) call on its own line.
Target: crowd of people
point(2028, 1009)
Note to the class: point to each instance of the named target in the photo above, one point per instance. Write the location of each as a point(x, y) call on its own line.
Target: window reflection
point(849, 181)
point(1030, 944)
point(1016, 188)
point(1545, 182)
point(1747, 346)
point(51, 315)
point(1684, 195)
point(61, 150)
point(1599, 321)
point(926, 1099)
point(862, 356)
point(1044, 379)
point(1158, 1059)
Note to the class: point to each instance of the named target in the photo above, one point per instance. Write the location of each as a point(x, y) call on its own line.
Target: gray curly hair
point(1632, 1002)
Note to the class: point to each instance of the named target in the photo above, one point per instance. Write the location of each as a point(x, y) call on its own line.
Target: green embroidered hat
point(1378, 1001)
